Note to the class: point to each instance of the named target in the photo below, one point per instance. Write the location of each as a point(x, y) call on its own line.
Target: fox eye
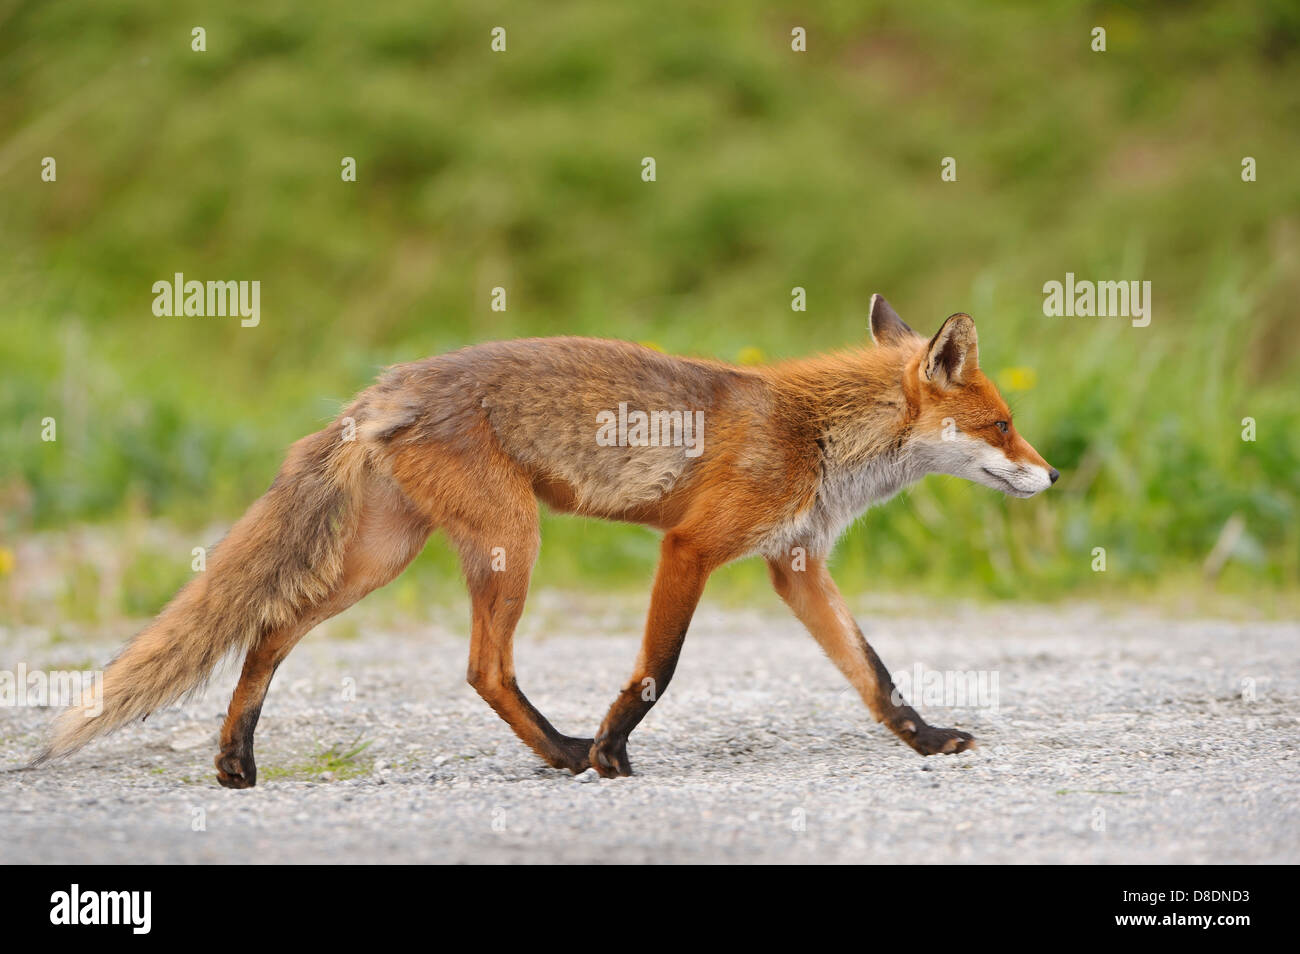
point(1002, 426)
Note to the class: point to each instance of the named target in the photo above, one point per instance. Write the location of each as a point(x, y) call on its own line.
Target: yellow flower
point(1018, 379)
point(652, 345)
point(6, 561)
point(750, 355)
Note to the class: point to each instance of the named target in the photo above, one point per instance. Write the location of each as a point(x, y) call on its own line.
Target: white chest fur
point(843, 495)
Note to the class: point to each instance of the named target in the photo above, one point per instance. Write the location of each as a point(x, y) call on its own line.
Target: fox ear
point(886, 327)
point(953, 353)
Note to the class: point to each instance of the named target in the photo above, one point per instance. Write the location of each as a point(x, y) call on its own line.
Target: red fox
point(726, 461)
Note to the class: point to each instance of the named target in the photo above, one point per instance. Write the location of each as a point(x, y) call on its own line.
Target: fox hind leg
point(236, 767)
point(498, 560)
point(486, 505)
point(389, 535)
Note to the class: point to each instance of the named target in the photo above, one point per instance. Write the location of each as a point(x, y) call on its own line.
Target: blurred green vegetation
point(775, 169)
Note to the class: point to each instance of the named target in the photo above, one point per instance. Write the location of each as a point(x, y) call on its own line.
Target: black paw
point(236, 769)
point(572, 754)
point(931, 740)
point(609, 756)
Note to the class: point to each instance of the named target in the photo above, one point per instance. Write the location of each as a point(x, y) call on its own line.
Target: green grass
point(340, 760)
point(775, 169)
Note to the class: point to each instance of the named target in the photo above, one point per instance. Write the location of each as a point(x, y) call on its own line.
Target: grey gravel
point(1118, 737)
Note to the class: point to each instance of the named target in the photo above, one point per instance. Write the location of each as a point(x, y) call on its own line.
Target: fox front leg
point(814, 598)
point(683, 569)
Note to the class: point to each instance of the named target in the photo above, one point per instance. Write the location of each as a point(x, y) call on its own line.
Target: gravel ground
point(1116, 737)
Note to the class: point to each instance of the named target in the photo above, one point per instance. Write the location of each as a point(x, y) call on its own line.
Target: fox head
point(961, 425)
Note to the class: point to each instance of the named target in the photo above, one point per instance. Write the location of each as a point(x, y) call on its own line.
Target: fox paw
point(235, 770)
point(573, 754)
point(931, 740)
point(609, 757)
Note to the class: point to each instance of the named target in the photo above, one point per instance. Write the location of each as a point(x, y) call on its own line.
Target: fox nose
point(1053, 474)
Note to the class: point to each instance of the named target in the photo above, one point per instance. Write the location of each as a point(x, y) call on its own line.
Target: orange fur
point(470, 442)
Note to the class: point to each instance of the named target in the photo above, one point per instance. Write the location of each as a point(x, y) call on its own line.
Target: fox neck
point(857, 409)
point(856, 404)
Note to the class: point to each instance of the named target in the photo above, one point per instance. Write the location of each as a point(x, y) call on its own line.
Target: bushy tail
point(284, 555)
